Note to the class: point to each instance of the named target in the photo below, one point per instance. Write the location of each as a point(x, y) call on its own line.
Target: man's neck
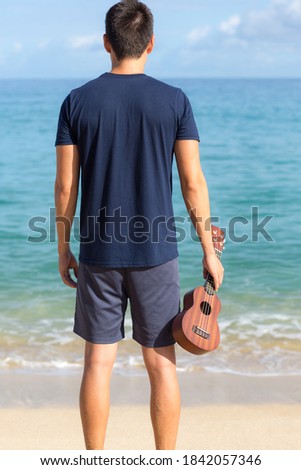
point(128, 66)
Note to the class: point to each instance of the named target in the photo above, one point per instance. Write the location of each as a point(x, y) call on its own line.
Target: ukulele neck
point(209, 284)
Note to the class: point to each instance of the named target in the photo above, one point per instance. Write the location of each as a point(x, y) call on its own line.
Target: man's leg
point(165, 395)
point(95, 392)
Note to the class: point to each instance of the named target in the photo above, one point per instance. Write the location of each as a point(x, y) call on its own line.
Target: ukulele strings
point(206, 306)
point(208, 298)
point(210, 280)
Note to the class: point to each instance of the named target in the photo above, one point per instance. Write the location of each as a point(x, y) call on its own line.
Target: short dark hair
point(129, 28)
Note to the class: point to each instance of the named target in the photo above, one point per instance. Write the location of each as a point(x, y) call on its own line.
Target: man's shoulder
point(86, 87)
point(166, 87)
point(101, 80)
point(154, 86)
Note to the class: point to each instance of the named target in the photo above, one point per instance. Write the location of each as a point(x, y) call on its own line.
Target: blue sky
point(194, 38)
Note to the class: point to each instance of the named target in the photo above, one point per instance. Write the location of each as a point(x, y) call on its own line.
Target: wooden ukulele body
point(196, 328)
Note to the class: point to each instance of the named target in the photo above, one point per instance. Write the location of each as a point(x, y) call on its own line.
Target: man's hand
point(68, 261)
point(213, 266)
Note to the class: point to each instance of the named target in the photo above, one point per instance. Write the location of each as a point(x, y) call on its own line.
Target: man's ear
point(151, 44)
point(107, 44)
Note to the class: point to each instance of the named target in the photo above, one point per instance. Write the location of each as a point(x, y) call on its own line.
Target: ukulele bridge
point(200, 332)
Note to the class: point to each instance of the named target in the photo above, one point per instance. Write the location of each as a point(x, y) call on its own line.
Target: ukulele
point(196, 328)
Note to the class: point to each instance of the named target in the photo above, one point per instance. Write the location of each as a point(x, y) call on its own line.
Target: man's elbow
point(64, 189)
point(194, 186)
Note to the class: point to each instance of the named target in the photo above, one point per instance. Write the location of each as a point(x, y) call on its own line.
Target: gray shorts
point(103, 294)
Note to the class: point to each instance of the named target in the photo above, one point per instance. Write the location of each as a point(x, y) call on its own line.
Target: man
point(121, 131)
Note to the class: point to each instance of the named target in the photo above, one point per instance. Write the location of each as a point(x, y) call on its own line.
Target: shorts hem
point(153, 344)
point(94, 340)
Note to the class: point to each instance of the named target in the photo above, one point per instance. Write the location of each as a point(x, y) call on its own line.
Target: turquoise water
point(250, 151)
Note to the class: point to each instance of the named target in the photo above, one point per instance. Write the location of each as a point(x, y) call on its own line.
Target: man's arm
point(66, 192)
point(196, 197)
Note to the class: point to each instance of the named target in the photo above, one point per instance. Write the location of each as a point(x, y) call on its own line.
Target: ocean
point(250, 152)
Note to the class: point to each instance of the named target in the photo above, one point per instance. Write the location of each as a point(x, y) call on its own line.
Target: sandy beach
point(219, 412)
point(268, 427)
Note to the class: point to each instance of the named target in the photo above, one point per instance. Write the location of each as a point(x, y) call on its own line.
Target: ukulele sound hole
point(205, 308)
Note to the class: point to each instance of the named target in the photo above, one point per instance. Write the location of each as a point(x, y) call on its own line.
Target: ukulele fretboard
point(209, 284)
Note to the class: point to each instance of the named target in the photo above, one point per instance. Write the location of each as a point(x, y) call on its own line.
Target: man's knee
point(159, 361)
point(100, 356)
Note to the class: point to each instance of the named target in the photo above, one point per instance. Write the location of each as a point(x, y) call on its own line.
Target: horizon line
point(160, 78)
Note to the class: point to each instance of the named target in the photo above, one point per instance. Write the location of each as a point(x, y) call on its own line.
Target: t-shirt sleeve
point(186, 126)
point(65, 134)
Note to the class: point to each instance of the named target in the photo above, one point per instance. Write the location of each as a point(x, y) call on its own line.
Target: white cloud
point(263, 41)
point(295, 7)
point(43, 44)
point(230, 26)
point(280, 22)
point(18, 46)
point(90, 41)
point(197, 34)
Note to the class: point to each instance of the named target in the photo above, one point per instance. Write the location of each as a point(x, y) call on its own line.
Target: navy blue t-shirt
point(125, 127)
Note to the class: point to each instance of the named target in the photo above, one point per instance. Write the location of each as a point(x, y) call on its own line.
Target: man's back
point(125, 127)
